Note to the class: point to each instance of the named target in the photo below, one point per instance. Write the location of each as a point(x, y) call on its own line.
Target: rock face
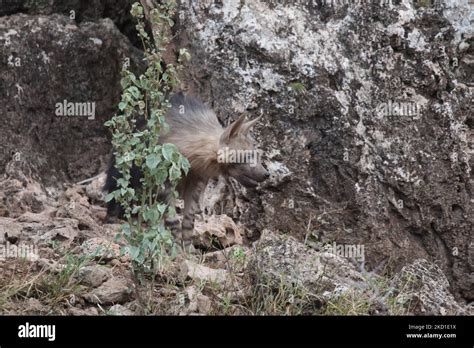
point(367, 114)
point(79, 10)
point(367, 125)
point(46, 60)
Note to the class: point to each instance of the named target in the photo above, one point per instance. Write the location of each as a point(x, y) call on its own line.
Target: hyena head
point(238, 156)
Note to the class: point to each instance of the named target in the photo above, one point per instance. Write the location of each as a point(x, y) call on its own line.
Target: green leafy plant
point(238, 254)
point(297, 87)
point(146, 98)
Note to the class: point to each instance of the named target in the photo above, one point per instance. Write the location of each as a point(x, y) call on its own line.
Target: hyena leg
point(172, 222)
point(191, 195)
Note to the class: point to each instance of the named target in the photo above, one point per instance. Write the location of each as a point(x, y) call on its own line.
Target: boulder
point(118, 309)
point(201, 273)
point(217, 230)
point(103, 249)
point(424, 289)
point(282, 260)
point(113, 291)
point(94, 275)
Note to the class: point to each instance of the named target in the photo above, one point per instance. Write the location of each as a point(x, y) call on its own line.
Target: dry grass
point(56, 290)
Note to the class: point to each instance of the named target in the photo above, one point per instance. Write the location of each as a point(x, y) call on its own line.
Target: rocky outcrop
point(329, 80)
point(217, 230)
point(314, 278)
point(81, 11)
point(367, 131)
point(424, 289)
point(51, 60)
point(281, 259)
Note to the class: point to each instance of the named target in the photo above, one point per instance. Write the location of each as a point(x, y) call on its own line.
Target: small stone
point(203, 304)
point(94, 189)
point(82, 312)
point(63, 234)
point(191, 293)
point(114, 290)
point(9, 230)
point(94, 275)
point(236, 256)
point(118, 309)
point(102, 249)
point(198, 272)
point(463, 46)
point(35, 306)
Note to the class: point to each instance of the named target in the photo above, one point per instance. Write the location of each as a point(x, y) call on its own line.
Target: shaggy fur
point(197, 133)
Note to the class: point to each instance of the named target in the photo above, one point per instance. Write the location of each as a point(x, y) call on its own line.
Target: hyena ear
point(232, 130)
point(247, 125)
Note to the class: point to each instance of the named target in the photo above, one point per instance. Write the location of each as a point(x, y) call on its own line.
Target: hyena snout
point(260, 173)
point(249, 176)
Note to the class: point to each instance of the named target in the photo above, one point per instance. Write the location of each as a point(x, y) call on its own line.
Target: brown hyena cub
point(211, 150)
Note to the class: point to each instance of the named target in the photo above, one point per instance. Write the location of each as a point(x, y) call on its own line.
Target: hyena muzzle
point(211, 150)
